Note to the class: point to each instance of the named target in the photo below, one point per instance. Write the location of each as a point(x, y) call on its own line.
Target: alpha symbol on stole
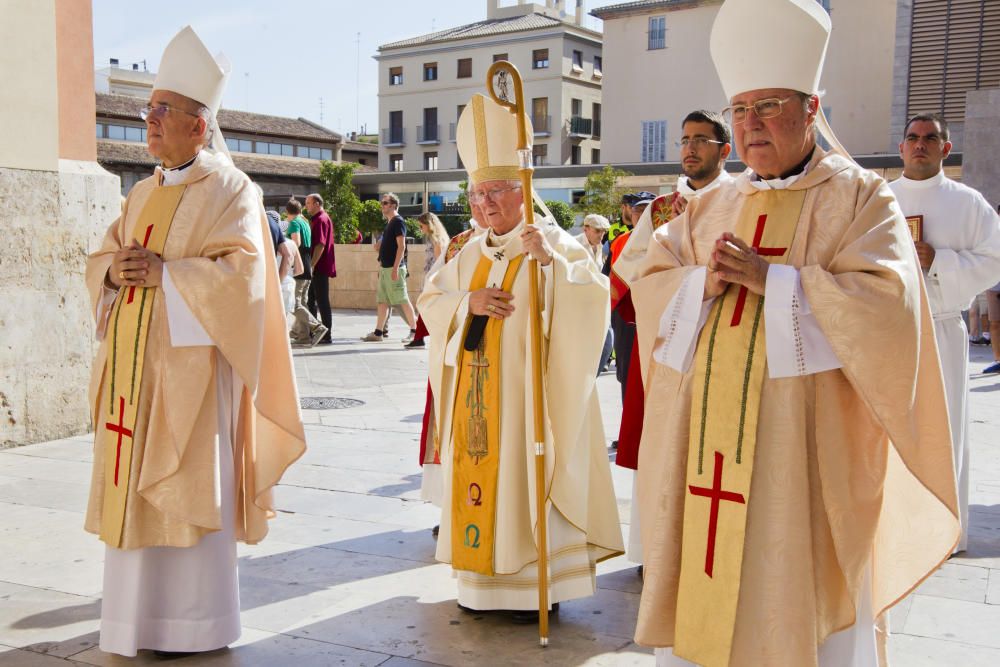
point(717, 495)
point(763, 251)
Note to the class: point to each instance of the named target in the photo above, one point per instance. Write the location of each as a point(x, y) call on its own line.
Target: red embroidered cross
point(120, 429)
point(717, 495)
point(145, 242)
point(772, 252)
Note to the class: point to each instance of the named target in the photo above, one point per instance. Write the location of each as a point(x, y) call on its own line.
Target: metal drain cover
point(328, 403)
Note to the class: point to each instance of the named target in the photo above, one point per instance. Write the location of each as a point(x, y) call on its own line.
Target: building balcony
point(393, 137)
point(428, 134)
point(542, 125)
point(580, 128)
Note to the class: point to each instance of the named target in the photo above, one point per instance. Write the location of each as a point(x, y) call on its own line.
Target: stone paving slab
point(348, 577)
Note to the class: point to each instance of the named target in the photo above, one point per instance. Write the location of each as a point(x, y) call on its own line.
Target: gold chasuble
point(476, 438)
point(129, 328)
point(730, 364)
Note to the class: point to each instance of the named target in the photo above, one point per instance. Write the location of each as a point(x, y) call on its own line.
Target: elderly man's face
point(312, 206)
point(773, 146)
point(502, 204)
point(174, 130)
point(594, 236)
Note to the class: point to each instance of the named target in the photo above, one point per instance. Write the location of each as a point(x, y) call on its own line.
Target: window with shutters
point(654, 141)
point(954, 48)
point(539, 59)
point(395, 76)
point(430, 71)
point(464, 68)
point(657, 34)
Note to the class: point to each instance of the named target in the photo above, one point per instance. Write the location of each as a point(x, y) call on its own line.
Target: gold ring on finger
point(491, 308)
point(121, 275)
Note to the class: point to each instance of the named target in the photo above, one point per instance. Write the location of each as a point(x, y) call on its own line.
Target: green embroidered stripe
point(114, 353)
point(135, 350)
point(708, 376)
point(746, 379)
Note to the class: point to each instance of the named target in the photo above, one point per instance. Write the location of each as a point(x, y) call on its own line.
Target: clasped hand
point(733, 261)
point(491, 302)
point(135, 266)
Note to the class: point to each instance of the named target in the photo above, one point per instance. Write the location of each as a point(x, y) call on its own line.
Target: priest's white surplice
point(964, 231)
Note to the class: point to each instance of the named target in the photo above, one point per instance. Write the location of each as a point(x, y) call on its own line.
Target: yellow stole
point(475, 431)
point(116, 422)
point(729, 373)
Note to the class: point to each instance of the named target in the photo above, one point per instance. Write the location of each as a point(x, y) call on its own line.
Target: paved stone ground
point(347, 576)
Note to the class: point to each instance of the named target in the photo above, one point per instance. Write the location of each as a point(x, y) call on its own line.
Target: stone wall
point(357, 275)
point(52, 220)
point(980, 168)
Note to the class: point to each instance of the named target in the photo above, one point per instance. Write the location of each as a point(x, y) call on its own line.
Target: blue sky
point(287, 54)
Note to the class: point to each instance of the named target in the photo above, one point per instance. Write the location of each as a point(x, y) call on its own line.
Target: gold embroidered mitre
point(486, 137)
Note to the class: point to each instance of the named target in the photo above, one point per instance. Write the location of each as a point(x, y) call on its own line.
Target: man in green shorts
point(392, 272)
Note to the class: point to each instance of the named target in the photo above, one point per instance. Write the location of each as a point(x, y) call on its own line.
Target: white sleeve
point(454, 346)
point(681, 322)
point(185, 329)
point(102, 314)
point(962, 273)
point(795, 343)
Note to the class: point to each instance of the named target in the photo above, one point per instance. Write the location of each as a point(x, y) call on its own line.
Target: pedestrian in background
point(435, 243)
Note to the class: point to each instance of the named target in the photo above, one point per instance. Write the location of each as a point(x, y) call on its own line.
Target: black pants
point(624, 335)
point(319, 301)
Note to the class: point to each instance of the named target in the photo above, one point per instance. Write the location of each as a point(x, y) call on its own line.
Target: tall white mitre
point(188, 68)
point(487, 140)
point(759, 44)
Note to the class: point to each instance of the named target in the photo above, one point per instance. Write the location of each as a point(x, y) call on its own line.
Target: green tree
point(463, 198)
point(340, 199)
point(603, 193)
point(370, 219)
point(562, 212)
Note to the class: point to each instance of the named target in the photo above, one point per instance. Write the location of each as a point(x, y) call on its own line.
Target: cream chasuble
point(583, 519)
point(851, 472)
point(212, 252)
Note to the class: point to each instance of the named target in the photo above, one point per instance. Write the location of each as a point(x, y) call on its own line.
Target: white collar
point(686, 191)
point(934, 181)
point(176, 175)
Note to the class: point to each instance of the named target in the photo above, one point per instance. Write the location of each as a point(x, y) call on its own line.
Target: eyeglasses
point(697, 142)
point(161, 110)
point(767, 108)
point(492, 195)
point(386, 203)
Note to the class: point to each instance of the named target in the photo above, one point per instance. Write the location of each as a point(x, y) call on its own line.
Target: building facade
point(282, 155)
point(57, 204)
point(425, 83)
point(657, 56)
point(887, 60)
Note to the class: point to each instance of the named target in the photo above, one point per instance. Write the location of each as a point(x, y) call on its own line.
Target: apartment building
point(426, 81)
point(887, 60)
point(657, 56)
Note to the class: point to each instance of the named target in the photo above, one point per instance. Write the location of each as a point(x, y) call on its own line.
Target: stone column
point(57, 202)
point(980, 168)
